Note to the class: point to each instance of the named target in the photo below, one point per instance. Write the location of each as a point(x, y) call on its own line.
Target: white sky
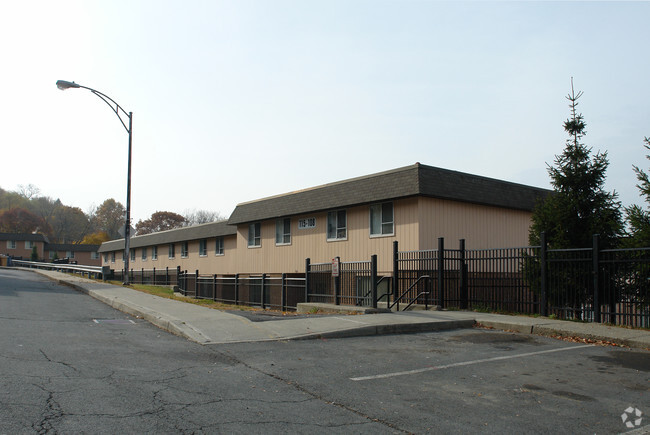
point(238, 100)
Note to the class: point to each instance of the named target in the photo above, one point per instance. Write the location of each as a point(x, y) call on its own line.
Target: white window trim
point(374, 236)
point(143, 254)
point(283, 234)
point(11, 244)
point(336, 239)
point(203, 245)
point(154, 253)
point(187, 251)
point(223, 247)
point(171, 252)
point(254, 238)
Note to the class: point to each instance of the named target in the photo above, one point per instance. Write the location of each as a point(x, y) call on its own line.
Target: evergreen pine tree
point(638, 218)
point(580, 205)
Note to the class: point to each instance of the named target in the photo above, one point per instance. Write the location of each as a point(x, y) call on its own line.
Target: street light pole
point(63, 85)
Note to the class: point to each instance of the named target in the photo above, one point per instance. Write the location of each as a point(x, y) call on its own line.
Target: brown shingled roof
point(195, 232)
point(398, 183)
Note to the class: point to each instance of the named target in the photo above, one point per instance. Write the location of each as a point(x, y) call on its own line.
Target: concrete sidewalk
point(209, 326)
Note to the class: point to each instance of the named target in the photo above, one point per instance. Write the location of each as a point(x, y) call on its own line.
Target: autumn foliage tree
point(19, 220)
point(159, 221)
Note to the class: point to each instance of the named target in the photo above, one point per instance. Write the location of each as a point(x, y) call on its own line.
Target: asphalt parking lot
point(464, 381)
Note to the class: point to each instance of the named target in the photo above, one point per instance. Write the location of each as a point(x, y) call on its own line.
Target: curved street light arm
point(108, 100)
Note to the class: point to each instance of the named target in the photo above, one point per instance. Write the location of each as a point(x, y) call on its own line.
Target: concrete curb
point(634, 338)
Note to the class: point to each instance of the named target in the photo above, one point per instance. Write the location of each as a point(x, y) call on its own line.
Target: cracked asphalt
point(62, 372)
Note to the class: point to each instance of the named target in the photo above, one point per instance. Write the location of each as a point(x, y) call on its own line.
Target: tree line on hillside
point(25, 211)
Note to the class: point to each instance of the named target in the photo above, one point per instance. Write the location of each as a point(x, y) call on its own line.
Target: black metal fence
point(282, 292)
point(163, 277)
point(356, 283)
point(585, 284)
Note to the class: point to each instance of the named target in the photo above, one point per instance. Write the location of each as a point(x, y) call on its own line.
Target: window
point(105, 258)
point(184, 250)
point(11, 244)
point(154, 252)
point(283, 231)
point(203, 247)
point(94, 255)
point(69, 254)
point(218, 249)
point(144, 254)
point(172, 250)
point(52, 254)
point(254, 235)
point(29, 244)
point(132, 251)
point(337, 225)
point(113, 257)
point(381, 219)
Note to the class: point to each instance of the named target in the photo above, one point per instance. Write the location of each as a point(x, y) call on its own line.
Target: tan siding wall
point(211, 263)
point(312, 243)
point(418, 224)
point(481, 226)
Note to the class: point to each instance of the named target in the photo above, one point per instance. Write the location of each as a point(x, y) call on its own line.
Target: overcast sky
point(237, 100)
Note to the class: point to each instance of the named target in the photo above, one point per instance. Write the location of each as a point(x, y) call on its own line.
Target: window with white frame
point(337, 225)
point(203, 247)
point(283, 231)
point(144, 254)
point(254, 235)
point(113, 257)
point(69, 254)
point(184, 250)
point(154, 252)
point(11, 244)
point(29, 244)
point(52, 254)
point(172, 251)
point(132, 251)
point(218, 249)
point(94, 255)
point(381, 219)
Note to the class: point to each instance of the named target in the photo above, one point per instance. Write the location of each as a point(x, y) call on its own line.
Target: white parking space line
point(467, 363)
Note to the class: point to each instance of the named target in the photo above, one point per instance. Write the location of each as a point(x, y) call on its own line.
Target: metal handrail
point(409, 289)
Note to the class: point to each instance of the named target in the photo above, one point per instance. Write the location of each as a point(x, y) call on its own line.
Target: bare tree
point(197, 217)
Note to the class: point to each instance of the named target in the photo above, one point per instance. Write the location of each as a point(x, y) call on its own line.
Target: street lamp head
point(63, 85)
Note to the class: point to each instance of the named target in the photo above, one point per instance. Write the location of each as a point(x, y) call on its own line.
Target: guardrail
point(92, 271)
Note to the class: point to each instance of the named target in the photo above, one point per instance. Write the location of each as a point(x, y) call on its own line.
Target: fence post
point(464, 296)
point(142, 275)
point(263, 292)
point(154, 276)
point(337, 284)
point(307, 270)
point(373, 274)
point(178, 273)
point(236, 289)
point(196, 284)
point(595, 271)
point(283, 294)
point(395, 275)
point(214, 287)
point(441, 275)
point(543, 272)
